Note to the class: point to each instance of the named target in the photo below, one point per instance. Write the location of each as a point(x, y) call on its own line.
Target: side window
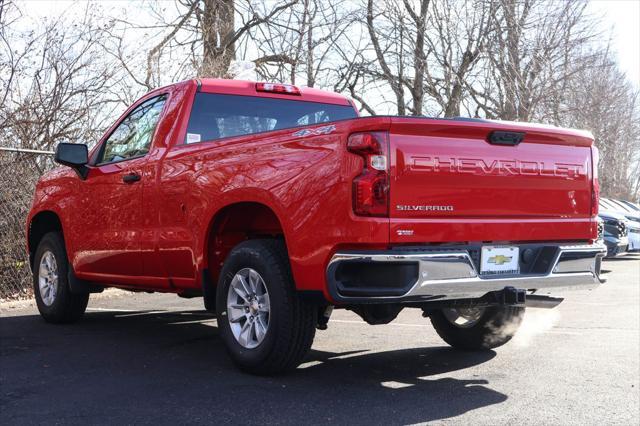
point(132, 138)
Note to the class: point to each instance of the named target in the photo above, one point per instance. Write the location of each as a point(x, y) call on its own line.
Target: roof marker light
point(282, 89)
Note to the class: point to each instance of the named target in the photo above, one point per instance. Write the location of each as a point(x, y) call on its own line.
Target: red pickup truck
point(276, 204)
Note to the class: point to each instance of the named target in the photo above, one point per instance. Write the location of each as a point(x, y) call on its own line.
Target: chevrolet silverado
point(277, 204)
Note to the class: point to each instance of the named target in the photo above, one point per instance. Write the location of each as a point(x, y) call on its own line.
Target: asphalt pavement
point(158, 359)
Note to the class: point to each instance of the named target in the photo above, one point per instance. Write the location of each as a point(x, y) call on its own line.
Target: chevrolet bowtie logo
point(500, 259)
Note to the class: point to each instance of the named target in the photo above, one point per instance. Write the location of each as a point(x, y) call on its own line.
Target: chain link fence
point(19, 172)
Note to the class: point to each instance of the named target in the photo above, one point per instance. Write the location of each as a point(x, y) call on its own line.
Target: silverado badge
point(423, 208)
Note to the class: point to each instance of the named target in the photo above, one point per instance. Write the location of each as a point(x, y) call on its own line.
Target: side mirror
point(73, 155)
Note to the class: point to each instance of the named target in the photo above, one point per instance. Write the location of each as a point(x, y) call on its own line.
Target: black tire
point(494, 328)
point(66, 306)
point(292, 321)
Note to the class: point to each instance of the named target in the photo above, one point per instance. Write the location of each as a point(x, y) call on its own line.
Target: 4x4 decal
point(324, 130)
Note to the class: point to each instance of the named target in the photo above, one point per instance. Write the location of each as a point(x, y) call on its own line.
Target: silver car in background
point(614, 210)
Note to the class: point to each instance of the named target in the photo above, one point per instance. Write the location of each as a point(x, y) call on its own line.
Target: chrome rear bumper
point(452, 274)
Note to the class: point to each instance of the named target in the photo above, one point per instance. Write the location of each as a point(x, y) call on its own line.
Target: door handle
point(131, 177)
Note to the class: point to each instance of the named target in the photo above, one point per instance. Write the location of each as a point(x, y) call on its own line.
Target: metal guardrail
point(26, 151)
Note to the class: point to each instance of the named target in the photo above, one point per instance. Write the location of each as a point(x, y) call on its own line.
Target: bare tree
point(387, 30)
point(601, 100)
point(56, 87)
point(204, 34)
point(302, 46)
point(459, 35)
point(536, 46)
point(428, 49)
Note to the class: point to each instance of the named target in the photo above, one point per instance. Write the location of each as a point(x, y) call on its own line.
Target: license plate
point(499, 260)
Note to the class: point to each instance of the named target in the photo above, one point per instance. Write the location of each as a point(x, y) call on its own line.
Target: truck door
point(109, 215)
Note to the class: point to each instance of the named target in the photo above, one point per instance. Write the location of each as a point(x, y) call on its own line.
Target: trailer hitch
point(512, 296)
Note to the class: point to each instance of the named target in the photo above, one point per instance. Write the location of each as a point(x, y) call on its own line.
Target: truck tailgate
point(448, 183)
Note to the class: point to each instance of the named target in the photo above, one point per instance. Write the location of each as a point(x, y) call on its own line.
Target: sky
point(621, 21)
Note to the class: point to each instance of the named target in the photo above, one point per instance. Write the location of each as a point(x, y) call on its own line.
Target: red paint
point(195, 202)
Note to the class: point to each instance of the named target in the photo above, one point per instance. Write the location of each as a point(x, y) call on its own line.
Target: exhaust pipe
point(545, 302)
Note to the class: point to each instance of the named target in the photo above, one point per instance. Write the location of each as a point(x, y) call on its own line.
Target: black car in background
point(631, 215)
point(616, 234)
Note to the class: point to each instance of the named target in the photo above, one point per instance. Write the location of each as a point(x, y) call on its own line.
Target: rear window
point(216, 116)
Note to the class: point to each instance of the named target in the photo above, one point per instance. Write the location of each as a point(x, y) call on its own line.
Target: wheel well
point(41, 224)
point(234, 224)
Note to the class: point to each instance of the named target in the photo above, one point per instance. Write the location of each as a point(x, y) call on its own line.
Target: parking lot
point(157, 359)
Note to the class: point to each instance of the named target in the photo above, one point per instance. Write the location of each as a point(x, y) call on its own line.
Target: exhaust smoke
point(525, 327)
point(536, 322)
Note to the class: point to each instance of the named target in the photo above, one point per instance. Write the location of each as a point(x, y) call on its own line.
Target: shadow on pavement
point(157, 367)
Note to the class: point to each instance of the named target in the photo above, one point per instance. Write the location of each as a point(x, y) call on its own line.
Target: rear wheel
point(265, 326)
point(56, 302)
point(477, 328)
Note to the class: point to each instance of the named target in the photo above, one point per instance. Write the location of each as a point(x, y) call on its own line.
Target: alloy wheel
point(463, 317)
point(248, 308)
point(48, 278)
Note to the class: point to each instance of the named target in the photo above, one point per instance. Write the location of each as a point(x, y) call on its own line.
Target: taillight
point(283, 89)
point(595, 198)
point(371, 187)
point(595, 191)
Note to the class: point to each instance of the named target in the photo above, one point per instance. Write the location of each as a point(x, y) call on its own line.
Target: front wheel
point(56, 302)
point(265, 326)
point(477, 328)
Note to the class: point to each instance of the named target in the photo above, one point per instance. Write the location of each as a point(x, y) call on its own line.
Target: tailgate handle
point(498, 137)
